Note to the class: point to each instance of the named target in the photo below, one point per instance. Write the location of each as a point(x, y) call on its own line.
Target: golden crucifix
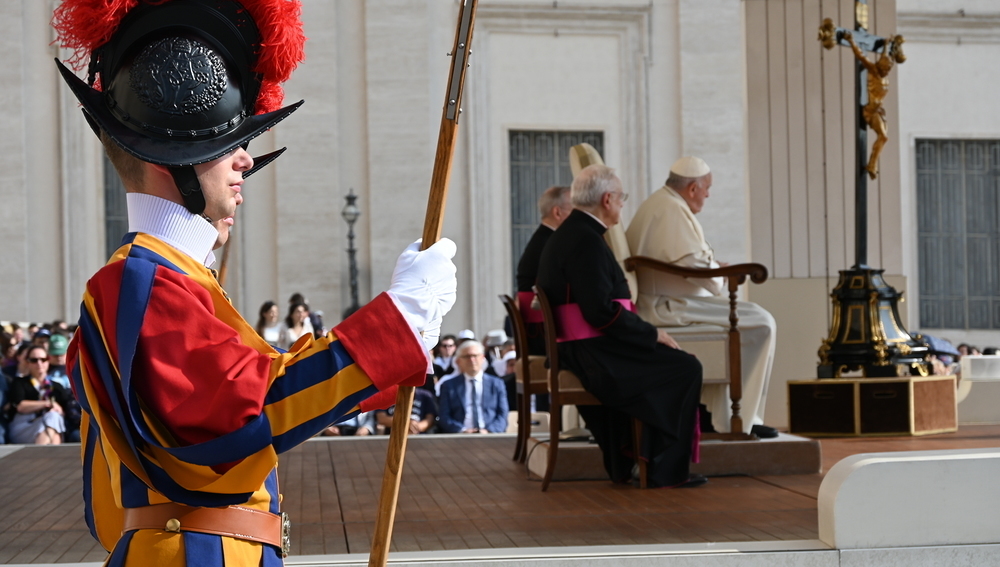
point(878, 87)
point(890, 50)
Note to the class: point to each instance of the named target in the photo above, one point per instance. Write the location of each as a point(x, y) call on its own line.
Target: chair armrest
point(739, 272)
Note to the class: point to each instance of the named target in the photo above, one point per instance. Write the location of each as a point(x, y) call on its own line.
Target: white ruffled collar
point(173, 224)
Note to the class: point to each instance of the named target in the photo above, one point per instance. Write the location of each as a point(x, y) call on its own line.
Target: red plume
point(84, 25)
point(281, 46)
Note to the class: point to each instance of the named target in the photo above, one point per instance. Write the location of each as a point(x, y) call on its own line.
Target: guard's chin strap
point(187, 182)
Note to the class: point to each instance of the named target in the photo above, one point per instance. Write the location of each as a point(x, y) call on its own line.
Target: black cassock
point(527, 266)
point(527, 272)
point(626, 369)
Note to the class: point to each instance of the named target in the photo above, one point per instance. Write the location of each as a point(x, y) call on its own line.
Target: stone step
point(784, 455)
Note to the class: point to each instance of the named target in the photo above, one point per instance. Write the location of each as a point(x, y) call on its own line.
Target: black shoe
point(764, 432)
point(693, 481)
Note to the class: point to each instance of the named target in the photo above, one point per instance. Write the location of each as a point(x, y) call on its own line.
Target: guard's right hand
point(424, 285)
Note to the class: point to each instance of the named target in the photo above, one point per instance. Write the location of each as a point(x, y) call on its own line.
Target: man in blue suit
point(472, 401)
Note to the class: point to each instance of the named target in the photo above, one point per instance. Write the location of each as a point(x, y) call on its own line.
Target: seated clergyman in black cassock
point(633, 368)
point(554, 206)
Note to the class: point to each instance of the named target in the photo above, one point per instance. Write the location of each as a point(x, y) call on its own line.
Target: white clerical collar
point(173, 224)
point(593, 216)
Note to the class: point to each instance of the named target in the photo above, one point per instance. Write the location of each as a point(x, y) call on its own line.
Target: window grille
point(958, 208)
point(538, 160)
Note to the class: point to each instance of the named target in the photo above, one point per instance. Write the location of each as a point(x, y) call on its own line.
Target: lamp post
point(351, 214)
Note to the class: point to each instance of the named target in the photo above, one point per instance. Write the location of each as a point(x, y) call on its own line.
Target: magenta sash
point(524, 301)
point(573, 327)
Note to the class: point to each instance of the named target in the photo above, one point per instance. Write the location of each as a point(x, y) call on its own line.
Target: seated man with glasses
point(473, 401)
point(633, 368)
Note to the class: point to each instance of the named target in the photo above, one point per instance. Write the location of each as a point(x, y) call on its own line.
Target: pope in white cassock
point(665, 228)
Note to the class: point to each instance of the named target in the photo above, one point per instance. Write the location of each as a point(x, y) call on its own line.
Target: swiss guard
point(186, 408)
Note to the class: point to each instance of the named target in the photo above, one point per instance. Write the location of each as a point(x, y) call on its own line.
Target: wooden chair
point(736, 275)
point(530, 377)
point(565, 389)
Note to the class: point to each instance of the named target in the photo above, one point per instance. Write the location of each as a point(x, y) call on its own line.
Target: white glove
point(424, 287)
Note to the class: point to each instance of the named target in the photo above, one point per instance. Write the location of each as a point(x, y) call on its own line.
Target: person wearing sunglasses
point(36, 418)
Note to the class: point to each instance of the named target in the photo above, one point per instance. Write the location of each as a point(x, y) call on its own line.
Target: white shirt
point(444, 362)
point(272, 334)
point(478, 381)
point(173, 224)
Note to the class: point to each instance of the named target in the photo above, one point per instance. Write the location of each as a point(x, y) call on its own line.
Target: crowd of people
point(37, 404)
point(945, 358)
point(300, 321)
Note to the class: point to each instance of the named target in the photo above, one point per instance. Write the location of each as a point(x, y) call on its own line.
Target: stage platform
point(463, 497)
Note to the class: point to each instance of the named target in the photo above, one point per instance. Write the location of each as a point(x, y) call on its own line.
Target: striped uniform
point(184, 402)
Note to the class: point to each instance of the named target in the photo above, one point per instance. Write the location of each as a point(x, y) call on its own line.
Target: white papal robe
point(666, 229)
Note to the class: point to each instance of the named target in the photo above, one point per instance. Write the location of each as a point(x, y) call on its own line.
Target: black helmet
point(180, 81)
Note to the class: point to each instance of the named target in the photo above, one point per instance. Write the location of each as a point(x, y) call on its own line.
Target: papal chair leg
point(555, 426)
point(523, 429)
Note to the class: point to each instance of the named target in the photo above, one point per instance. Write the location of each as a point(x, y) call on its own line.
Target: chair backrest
point(551, 345)
point(520, 332)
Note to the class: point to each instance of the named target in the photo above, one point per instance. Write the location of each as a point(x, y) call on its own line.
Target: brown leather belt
point(237, 522)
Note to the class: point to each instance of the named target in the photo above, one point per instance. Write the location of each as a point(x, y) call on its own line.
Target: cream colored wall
point(49, 239)
point(801, 143)
point(522, 78)
point(374, 82)
point(712, 89)
point(742, 84)
point(561, 98)
point(946, 91)
point(639, 71)
point(13, 173)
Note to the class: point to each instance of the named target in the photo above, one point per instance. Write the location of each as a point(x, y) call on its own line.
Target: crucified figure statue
point(878, 87)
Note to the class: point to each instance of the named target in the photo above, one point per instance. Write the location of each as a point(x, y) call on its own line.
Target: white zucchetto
point(690, 167)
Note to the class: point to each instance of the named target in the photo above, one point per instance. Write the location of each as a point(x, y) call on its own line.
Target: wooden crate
point(873, 406)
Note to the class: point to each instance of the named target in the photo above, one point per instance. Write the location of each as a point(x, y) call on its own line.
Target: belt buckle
point(286, 534)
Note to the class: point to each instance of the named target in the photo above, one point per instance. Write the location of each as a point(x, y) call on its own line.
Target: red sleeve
point(384, 345)
point(382, 400)
point(191, 369)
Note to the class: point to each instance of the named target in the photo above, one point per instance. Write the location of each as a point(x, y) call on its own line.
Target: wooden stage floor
point(457, 493)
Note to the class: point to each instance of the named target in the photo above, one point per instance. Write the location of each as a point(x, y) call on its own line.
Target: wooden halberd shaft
point(441, 175)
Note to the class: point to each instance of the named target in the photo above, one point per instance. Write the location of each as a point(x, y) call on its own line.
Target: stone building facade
point(743, 84)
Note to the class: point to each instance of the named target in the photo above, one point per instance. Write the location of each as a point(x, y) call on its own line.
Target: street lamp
point(351, 214)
